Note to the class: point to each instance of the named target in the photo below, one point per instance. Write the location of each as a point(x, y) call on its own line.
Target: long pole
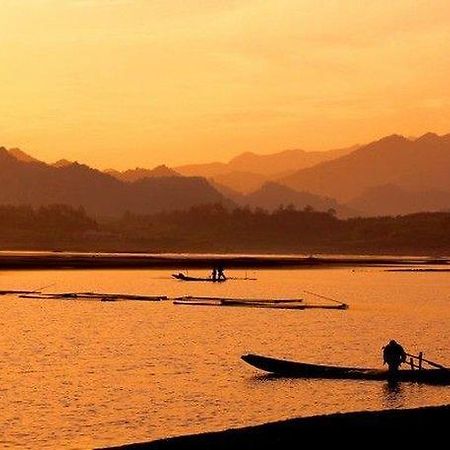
point(43, 287)
point(326, 298)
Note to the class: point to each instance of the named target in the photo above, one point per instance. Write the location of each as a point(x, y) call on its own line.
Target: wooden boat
point(286, 368)
point(183, 277)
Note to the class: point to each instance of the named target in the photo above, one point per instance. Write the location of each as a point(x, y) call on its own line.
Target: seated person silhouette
point(393, 355)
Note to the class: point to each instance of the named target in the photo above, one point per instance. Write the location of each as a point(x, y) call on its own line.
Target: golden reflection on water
point(79, 374)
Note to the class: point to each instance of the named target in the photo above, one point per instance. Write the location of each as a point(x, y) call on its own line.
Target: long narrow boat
point(293, 369)
point(183, 277)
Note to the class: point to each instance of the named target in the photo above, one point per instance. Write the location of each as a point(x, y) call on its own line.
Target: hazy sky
point(121, 83)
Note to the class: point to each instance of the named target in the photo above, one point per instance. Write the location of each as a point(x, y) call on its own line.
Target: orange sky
point(121, 83)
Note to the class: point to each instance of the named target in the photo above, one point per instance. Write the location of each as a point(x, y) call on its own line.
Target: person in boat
point(214, 274)
point(393, 355)
point(220, 273)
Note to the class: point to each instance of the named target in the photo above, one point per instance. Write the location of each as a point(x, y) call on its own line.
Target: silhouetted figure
point(214, 274)
point(220, 274)
point(393, 356)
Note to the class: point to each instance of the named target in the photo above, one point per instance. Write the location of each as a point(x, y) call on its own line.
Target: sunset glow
point(124, 83)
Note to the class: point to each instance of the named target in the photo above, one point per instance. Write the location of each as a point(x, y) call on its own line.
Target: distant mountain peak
point(139, 173)
point(392, 139)
point(21, 155)
point(164, 171)
point(429, 137)
point(62, 163)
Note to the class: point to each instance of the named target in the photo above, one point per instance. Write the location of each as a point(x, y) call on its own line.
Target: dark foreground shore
point(354, 430)
point(65, 261)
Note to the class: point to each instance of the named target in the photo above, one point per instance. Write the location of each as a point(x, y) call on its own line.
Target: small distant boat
point(293, 369)
point(183, 277)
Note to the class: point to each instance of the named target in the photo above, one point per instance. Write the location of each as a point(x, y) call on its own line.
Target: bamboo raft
point(93, 296)
point(297, 304)
point(277, 303)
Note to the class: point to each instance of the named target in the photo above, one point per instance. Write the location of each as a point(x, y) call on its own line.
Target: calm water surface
point(82, 374)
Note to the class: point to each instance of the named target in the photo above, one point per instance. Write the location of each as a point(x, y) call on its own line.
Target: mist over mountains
point(249, 171)
point(391, 176)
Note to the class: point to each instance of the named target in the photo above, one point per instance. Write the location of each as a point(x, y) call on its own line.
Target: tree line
point(215, 228)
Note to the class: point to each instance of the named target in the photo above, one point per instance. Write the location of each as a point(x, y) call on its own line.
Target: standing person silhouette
point(214, 273)
point(220, 273)
point(393, 355)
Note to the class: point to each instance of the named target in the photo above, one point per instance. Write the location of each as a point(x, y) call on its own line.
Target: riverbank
point(65, 261)
point(359, 429)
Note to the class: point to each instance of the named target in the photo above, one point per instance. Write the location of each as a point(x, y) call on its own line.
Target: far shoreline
point(357, 429)
point(23, 260)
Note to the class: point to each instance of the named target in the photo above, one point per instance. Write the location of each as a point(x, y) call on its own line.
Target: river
point(81, 373)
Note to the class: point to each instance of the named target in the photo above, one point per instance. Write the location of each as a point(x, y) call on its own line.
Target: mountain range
point(419, 168)
point(393, 175)
point(36, 183)
point(248, 171)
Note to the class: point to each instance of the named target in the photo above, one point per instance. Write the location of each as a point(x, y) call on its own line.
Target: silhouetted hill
point(393, 200)
point(416, 165)
point(172, 193)
point(243, 182)
point(272, 195)
point(235, 196)
point(36, 184)
point(139, 173)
